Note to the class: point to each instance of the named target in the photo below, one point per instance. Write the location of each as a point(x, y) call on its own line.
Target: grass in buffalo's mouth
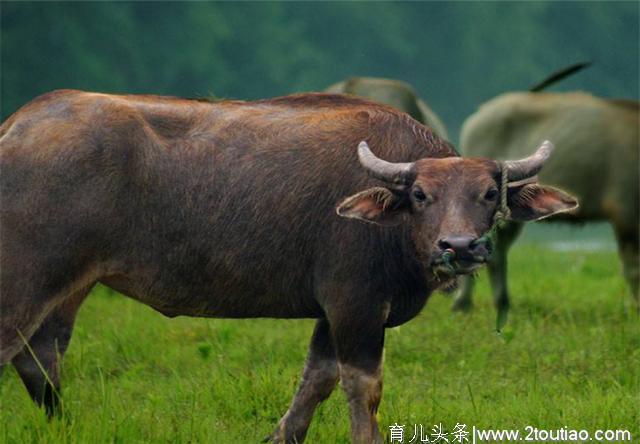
point(569, 357)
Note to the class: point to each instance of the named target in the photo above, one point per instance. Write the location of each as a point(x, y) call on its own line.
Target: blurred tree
point(457, 54)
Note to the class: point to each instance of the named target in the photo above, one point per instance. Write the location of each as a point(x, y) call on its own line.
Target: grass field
point(570, 356)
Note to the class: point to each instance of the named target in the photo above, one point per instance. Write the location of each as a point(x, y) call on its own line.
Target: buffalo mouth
point(453, 267)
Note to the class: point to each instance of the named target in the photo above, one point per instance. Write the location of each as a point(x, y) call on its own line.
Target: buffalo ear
point(534, 202)
point(376, 205)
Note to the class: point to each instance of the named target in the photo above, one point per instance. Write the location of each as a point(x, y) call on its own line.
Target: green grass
point(570, 356)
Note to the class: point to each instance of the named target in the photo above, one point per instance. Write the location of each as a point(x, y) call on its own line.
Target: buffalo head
point(450, 203)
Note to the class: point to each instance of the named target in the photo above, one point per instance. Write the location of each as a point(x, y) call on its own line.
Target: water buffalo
point(395, 93)
point(274, 208)
point(596, 160)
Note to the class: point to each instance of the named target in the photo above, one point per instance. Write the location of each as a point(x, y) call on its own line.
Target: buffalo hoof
point(462, 305)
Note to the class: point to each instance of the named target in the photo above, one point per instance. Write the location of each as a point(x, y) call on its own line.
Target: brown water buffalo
point(596, 160)
point(274, 208)
point(395, 93)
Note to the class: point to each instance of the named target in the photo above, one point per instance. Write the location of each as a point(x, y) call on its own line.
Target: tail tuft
point(559, 75)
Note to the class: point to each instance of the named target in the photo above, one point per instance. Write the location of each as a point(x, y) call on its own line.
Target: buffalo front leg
point(38, 364)
point(363, 387)
point(319, 378)
point(463, 300)
point(359, 345)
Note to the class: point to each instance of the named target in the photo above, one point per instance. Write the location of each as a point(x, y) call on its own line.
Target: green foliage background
point(457, 54)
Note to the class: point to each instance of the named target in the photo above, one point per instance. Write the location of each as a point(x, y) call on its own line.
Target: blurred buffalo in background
point(395, 93)
point(596, 160)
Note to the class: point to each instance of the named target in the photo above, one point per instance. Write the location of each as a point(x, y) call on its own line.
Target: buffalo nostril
point(456, 243)
point(443, 244)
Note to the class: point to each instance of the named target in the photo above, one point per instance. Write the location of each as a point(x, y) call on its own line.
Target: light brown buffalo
point(395, 93)
point(596, 159)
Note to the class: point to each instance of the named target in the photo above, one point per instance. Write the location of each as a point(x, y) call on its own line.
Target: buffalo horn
point(529, 166)
point(399, 175)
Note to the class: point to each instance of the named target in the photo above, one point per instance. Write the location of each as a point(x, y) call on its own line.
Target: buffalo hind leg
point(629, 254)
point(498, 268)
point(48, 344)
point(319, 378)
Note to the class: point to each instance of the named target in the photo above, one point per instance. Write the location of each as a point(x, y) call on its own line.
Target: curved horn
point(400, 175)
point(529, 166)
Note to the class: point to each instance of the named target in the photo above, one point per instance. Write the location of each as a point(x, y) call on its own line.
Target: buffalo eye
point(419, 195)
point(491, 194)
